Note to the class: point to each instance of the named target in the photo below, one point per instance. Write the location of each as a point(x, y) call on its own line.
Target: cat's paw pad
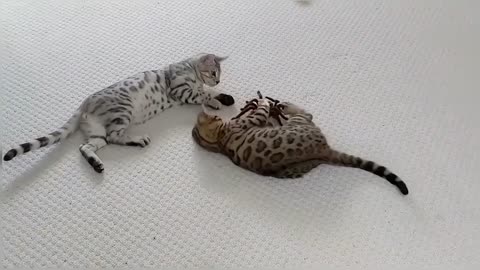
point(140, 141)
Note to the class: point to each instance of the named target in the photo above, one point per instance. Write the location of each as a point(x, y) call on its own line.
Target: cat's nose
point(217, 81)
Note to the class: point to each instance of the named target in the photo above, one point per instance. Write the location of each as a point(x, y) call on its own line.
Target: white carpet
point(393, 81)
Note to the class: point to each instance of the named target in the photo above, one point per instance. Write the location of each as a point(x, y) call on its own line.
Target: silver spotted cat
point(105, 115)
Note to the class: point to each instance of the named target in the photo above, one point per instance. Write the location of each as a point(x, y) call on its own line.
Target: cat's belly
point(147, 105)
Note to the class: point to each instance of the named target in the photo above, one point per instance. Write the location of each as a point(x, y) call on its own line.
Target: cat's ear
point(220, 58)
point(208, 60)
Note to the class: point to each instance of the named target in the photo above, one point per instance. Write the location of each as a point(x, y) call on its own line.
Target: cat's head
point(208, 131)
point(208, 66)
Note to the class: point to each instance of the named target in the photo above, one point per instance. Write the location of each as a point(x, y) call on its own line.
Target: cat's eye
point(214, 74)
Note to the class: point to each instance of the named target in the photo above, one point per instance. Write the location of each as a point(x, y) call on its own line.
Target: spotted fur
point(104, 116)
point(285, 150)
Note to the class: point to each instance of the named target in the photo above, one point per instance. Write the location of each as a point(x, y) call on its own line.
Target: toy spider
point(276, 111)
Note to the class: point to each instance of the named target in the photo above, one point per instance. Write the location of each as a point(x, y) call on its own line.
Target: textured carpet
point(392, 81)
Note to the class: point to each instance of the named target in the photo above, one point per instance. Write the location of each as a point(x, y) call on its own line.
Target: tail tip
point(10, 155)
point(395, 180)
point(403, 187)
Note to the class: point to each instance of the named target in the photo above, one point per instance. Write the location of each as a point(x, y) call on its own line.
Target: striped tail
point(339, 158)
point(57, 136)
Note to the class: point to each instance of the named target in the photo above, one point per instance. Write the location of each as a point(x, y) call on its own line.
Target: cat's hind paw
point(140, 141)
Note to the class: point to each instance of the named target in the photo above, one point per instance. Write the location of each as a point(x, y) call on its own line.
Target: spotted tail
point(57, 136)
point(338, 158)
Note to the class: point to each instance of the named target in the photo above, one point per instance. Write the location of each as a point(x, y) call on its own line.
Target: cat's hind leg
point(96, 139)
point(116, 134)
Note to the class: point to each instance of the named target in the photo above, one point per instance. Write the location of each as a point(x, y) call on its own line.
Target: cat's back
point(266, 150)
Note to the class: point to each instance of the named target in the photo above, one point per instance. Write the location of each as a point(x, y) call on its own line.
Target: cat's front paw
point(265, 102)
point(225, 99)
point(290, 108)
point(214, 104)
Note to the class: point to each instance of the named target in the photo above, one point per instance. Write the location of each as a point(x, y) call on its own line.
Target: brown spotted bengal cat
point(279, 140)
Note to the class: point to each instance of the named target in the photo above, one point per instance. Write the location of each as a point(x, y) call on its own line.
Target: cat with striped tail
point(105, 115)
